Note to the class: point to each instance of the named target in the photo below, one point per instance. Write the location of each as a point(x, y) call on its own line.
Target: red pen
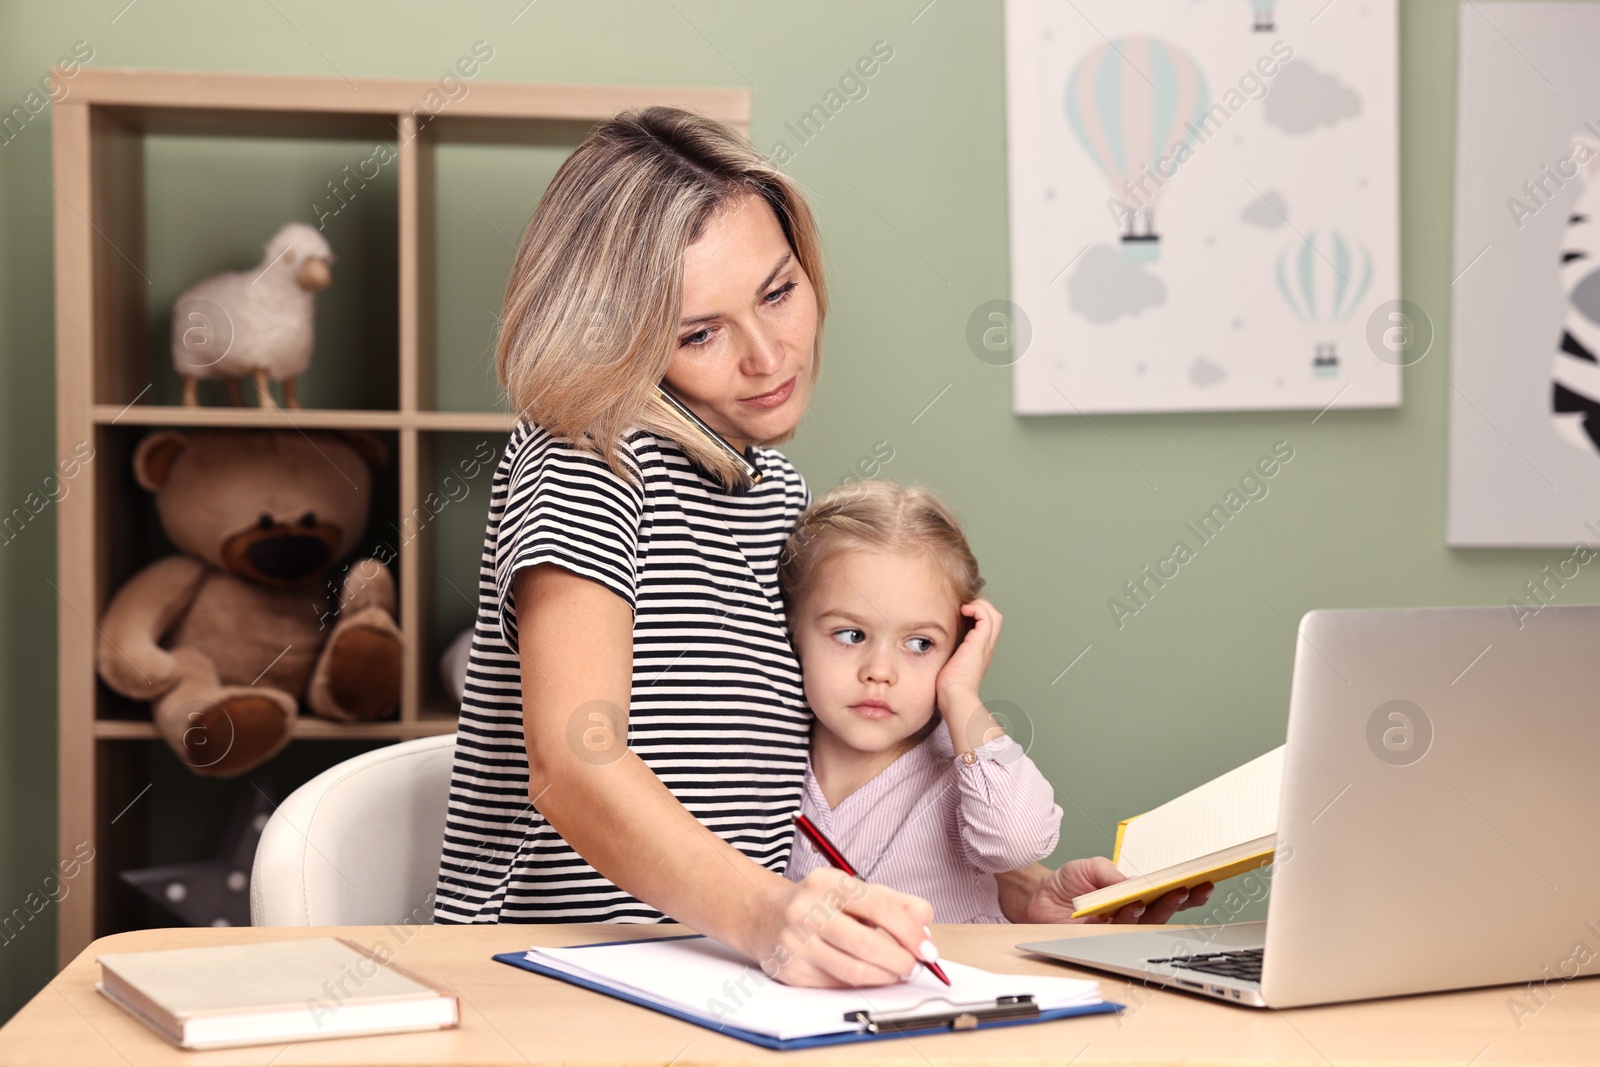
point(836, 858)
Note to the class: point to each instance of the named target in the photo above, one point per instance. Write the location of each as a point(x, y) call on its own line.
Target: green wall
point(909, 183)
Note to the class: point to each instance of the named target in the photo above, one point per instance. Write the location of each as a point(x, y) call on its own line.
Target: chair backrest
point(359, 844)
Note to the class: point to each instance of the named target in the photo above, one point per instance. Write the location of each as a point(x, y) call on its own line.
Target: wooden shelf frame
point(429, 723)
point(303, 418)
point(101, 357)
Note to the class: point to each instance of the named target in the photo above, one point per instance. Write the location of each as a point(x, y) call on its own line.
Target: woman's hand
point(835, 930)
point(956, 687)
point(1039, 895)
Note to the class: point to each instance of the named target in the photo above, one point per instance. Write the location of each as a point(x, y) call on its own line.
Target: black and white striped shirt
point(717, 709)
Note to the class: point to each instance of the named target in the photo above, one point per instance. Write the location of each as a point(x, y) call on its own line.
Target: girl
point(909, 775)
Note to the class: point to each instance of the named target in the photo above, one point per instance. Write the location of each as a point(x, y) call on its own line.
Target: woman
point(633, 733)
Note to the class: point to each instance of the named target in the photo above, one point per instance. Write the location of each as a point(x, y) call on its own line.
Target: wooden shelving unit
point(103, 361)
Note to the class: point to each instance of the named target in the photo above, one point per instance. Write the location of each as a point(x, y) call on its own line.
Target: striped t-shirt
point(716, 709)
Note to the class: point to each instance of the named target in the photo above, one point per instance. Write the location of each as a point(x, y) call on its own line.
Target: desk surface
point(511, 1016)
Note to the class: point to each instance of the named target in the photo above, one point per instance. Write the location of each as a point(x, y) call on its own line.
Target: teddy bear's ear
point(370, 445)
point(153, 459)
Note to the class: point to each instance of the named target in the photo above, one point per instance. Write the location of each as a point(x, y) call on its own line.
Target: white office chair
point(359, 844)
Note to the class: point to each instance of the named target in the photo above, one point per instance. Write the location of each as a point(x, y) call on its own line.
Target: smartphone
point(695, 423)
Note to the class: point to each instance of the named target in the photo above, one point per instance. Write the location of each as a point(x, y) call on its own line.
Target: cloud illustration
point(1269, 210)
point(1203, 372)
point(1303, 98)
point(1106, 287)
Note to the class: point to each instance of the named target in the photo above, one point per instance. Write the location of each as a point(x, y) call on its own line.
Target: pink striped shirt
point(936, 826)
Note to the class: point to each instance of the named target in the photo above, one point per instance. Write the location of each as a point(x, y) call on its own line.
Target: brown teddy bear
point(227, 636)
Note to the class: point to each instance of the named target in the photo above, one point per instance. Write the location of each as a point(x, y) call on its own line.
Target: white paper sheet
point(708, 979)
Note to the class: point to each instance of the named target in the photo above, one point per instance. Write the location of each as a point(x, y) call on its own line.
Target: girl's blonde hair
point(595, 293)
point(880, 515)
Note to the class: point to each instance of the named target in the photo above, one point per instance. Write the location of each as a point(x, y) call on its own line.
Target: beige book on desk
point(272, 991)
point(1217, 830)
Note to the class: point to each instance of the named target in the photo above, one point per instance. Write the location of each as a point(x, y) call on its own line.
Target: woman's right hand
point(834, 930)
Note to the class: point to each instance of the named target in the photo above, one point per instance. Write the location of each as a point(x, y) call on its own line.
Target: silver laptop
point(1437, 827)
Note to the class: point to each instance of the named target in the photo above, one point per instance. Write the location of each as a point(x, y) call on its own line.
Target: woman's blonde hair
point(595, 293)
point(878, 514)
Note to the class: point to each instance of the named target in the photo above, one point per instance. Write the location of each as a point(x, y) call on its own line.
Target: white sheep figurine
point(255, 323)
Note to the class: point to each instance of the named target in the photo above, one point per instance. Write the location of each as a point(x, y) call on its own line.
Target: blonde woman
point(634, 732)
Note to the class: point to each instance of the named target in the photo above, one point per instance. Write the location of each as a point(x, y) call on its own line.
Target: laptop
point(1436, 823)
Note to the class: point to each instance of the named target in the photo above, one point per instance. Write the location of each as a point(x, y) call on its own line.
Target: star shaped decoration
point(214, 892)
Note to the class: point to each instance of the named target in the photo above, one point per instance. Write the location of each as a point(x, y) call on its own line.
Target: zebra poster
point(1525, 396)
point(1203, 205)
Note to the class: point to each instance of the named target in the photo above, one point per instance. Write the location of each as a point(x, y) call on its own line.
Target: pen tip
point(938, 972)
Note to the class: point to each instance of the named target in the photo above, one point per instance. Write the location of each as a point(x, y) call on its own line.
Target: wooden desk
point(510, 1016)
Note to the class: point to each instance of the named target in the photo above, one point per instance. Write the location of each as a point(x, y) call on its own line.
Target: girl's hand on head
point(836, 931)
point(956, 687)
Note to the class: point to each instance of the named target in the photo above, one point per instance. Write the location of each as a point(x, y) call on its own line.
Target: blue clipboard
point(901, 1029)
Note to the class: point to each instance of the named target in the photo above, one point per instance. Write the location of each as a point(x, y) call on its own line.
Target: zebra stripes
point(1575, 389)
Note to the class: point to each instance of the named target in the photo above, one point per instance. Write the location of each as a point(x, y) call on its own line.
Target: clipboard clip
point(949, 1017)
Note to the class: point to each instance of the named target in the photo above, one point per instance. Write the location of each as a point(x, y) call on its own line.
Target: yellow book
point(1217, 830)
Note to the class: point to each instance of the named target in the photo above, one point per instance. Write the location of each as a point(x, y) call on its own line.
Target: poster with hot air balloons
point(1204, 205)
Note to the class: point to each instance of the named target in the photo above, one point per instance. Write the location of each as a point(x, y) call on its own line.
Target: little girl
point(909, 776)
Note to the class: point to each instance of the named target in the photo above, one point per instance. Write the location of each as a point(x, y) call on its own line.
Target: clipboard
point(1005, 1011)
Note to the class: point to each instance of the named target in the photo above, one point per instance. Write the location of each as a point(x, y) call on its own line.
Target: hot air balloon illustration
point(1263, 10)
point(1135, 103)
point(1322, 278)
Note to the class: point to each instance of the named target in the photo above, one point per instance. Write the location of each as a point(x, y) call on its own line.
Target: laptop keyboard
point(1243, 964)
